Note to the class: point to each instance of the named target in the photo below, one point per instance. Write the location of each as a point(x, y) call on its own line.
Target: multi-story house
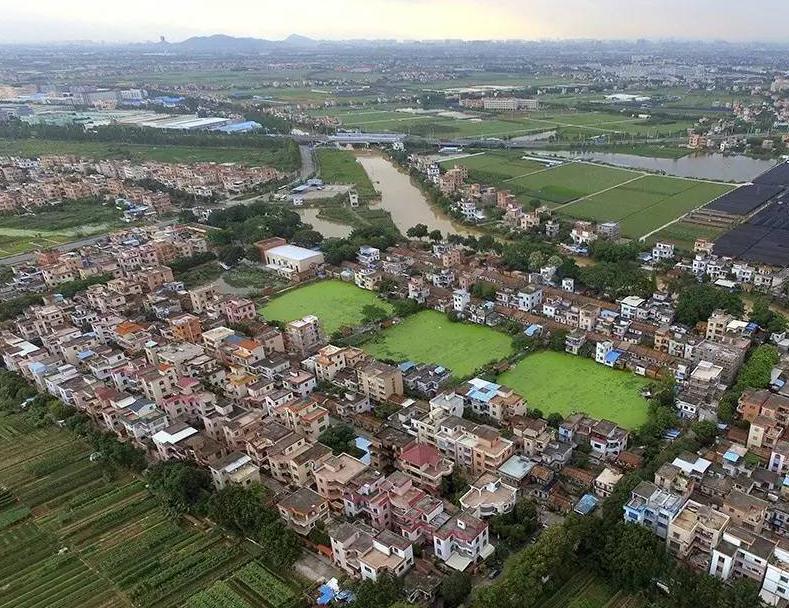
point(303, 510)
point(489, 495)
point(425, 465)
point(652, 507)
point(462, 541)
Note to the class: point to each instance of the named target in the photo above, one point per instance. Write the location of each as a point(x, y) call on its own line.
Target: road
point(307, 161)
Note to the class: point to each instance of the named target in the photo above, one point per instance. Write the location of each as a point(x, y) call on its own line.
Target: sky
point(140, 20)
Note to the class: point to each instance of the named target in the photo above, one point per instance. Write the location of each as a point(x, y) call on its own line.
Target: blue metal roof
point(533, 329)
point(613, 356)
point(587, 504)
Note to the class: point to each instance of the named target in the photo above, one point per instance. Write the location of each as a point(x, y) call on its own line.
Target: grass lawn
point(341, 167)
point(557, 382)
point(200, 275)
point(503, 165)
point(647, 203)
point(285, 157)
point(335, 303)
point(253, 277)
point(429, 337)
point(53, 226)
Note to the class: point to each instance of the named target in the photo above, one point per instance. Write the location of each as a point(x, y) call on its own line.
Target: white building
point(290, 259)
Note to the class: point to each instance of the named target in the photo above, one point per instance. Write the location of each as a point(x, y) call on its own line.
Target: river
point(721, 167)
point(404, 200)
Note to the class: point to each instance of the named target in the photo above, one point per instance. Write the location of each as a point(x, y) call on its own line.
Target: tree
point(610, 251)
point(280, 546)
point(435, 236)
point(419, 231)
point(486, 243)
point(231, 254)
point(555, 261)
point(484, 291)
point(340, 438)
point(380, 593)
point(241, 510)
point(455, 589)
point(557, 340)
point(516, 527)
point(373, 314)
point(755, 373)
point(705, 431)
point(554, 419)
point(698, 302)
point(618, 279)
point(307, 238)
point(767, 319)
point(536, 261)
point(181, 487)
point(633, 557)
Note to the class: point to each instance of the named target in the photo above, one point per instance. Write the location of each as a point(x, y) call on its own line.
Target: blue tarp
point(326, 595)
point(613, 356)
point(533, 329)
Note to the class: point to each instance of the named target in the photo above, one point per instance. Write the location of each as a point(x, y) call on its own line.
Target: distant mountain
point(221, 43)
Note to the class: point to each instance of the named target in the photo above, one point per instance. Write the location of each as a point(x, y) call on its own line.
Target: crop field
point(281, 158)
point(430, 337)
point(72, 536)
point(647, 203)
point(571, 126)
point(684, 234)
point(639, 201)
point(50, 227)
point(341, 167)
point(569, 181)
point(335, 303)
point(584, 590)
point(557, 382)
point(251, 586)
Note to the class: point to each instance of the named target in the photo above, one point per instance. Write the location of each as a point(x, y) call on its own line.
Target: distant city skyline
point(99, 20)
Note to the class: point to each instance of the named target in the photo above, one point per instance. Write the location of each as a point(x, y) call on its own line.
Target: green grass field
point(569, 181)
point(341, 167)
point(557, 382)
point(281, 158)
point(54, 226)
point(335, 303)
point(73, 537)
point(429, 337)
point(647, 203)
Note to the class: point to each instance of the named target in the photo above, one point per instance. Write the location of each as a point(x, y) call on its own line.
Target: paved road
point(307, 161)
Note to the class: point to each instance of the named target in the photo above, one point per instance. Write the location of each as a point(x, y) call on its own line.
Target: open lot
point(54, 226)
point(341, 167)
point(73, 537)
point(335, 303)
point(430, 337)
point(557, 382)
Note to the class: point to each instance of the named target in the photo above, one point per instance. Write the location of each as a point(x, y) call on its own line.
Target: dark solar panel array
point(743, 200)
point(765, 237)
point(777, 176)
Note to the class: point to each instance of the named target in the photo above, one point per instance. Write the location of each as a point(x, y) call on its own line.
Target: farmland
point(335, 303)
point(56, 225)
point(568, 125)
point(647, 203)
point(430, 337)
point(279, 157)
point(341, 167)
point(556, 382)
point(584, 590)
point(639, 201)
point(95, 539)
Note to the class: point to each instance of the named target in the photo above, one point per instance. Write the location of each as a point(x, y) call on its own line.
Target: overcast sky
point(139, 20)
